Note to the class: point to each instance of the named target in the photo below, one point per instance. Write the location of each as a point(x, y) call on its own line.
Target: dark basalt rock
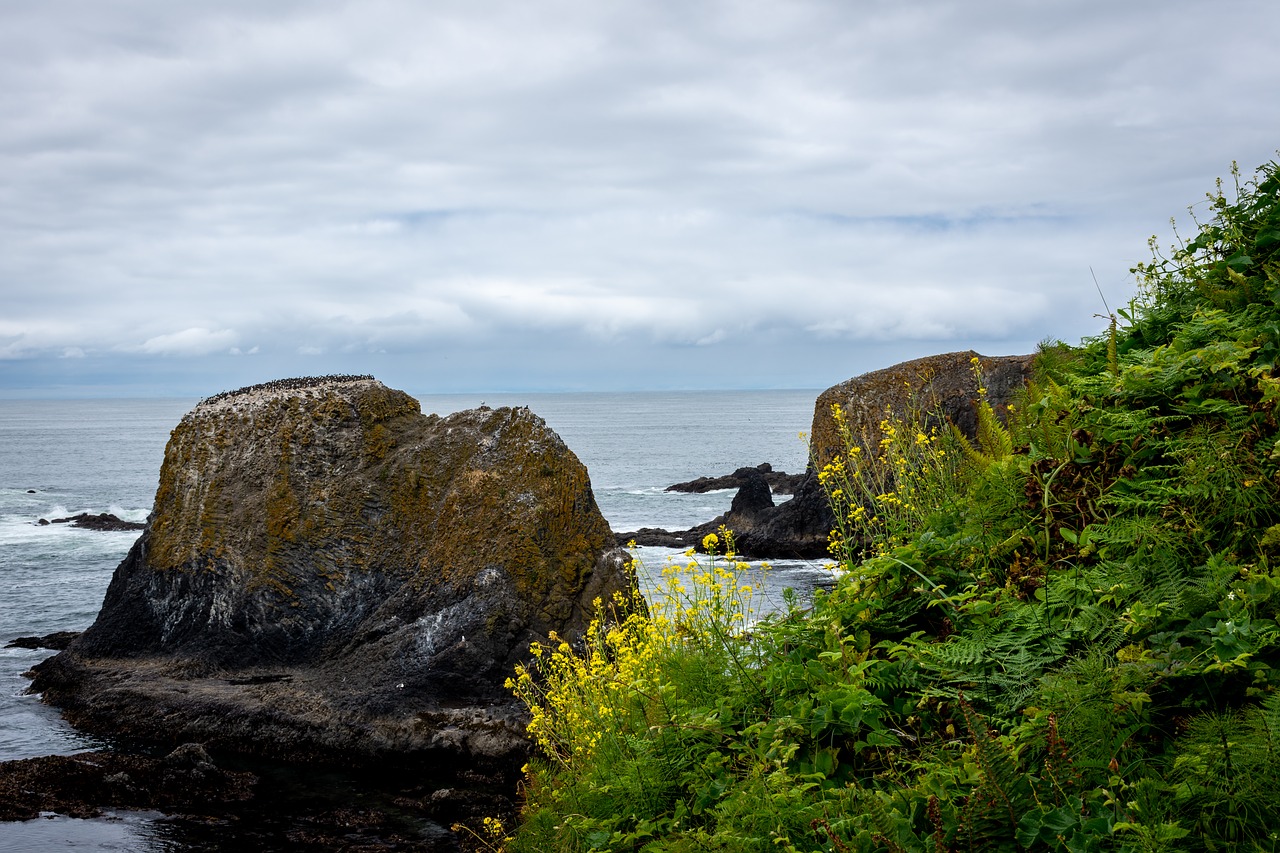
point(84, 785)
point(795, 529)
point(330, 575)
point(104, 521)
point(208, 807)
point(57, 641)
point(780, 482)
point(753, 498)
point(658, 538)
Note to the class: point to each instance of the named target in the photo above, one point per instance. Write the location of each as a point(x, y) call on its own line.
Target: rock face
point(942, 384)
point(329, 574)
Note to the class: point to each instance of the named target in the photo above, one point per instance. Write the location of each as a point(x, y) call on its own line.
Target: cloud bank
point(502, 195)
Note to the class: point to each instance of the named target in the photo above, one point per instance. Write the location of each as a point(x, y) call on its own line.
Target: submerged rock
point(57, 641)
point(103, 521)
point(329, 574)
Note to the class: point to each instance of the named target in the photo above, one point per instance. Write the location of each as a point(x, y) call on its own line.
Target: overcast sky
point(603, 195)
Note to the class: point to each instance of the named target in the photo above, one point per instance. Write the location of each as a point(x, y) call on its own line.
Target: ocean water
point(60, 458)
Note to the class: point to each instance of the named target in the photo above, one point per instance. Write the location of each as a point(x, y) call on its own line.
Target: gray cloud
point(593, 195)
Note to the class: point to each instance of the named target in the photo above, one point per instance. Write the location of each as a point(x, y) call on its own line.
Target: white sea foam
point(126, 514)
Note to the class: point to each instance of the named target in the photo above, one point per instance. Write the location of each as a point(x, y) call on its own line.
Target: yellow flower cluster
point(583, 695)
point(575, 695)
point(876, 496)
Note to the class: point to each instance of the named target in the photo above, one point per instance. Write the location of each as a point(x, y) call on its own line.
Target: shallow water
point(126, 831)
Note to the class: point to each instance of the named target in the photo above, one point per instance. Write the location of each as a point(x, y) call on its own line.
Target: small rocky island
point(329, 575)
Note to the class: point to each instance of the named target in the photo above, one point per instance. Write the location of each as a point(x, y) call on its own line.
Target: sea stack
point(943, 385)
point(328, 574)
point(936, 387)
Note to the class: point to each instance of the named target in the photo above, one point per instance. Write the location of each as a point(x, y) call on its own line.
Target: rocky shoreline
point(228, 802)
point(86, 784)
point(408, 803)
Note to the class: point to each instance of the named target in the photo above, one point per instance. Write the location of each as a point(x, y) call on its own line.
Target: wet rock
point(84, 785)
point(780, 482)
point(753, 497)
point(57, 641)
point(103, 521)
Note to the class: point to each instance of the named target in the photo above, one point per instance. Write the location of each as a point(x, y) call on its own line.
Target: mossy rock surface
point(386, 561)
point(938, 384)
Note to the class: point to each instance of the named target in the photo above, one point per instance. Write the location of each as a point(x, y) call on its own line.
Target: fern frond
point(1003, 793)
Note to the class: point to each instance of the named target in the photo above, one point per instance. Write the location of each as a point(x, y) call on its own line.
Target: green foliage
point(1062, 635)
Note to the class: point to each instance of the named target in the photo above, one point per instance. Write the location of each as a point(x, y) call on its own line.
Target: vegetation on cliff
point(1059, 636)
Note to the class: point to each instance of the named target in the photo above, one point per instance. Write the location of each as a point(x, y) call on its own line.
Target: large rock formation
point(329, 574)
point(939, 386)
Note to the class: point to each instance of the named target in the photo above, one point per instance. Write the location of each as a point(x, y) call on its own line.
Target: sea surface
point(63, 457)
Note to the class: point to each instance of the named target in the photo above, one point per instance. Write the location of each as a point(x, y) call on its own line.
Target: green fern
point(1002, 794)
point(1228, 775)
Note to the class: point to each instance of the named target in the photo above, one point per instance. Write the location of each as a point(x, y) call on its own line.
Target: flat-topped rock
point(264, 393)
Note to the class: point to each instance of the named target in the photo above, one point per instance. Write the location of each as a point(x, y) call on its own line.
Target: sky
point(607, 195)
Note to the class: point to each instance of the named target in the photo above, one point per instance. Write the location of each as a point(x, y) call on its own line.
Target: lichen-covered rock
point(329, 573)
point(940, 385)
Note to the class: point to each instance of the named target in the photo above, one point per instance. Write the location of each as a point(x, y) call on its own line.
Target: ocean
point(63, 457)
